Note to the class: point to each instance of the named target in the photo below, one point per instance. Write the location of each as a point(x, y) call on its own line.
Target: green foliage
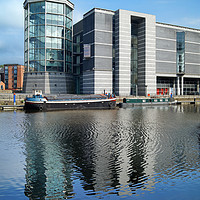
point(1, 66)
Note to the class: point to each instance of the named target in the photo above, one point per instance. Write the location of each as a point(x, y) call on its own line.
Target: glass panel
point(38, 7)
point(68, 45)
point(180, 52)
point(60, 32)
point(26, 45)
point(40, 18)
point(39, 54)
point(48, 19)
point(54, 43)
point(59, 42)
point(68, 12)
point(31, 66)
point(37, 19)
point(26, 34)
point(68, 23)
point(26, 56)
point(55, 66)
point(31, 31)
point(48, 30)
point(68, 34)
point(37, 31)
point(54, 8)
point(54, 19)
point(60, 9)
point(60, 20)
point(54, 31)
point(53, 54)
point(31, 54)
point(41, 31)
point(31, 42)
point(68, 57)
point(48, 42)
point(40, 42)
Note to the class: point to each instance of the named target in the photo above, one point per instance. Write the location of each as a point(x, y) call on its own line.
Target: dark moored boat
point(77, 102)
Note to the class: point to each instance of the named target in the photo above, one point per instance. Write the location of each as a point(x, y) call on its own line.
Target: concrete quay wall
point(8, 99)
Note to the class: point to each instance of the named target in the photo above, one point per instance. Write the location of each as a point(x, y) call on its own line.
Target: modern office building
point(13, 78)
point(48, 46)
point(129, 53)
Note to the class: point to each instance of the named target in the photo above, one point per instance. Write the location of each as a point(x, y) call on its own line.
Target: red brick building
point(13, 76)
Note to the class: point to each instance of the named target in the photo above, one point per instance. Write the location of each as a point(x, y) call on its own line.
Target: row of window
point(51, 54)
point(51, 7)
point(51, 31)
point(39, 66)
point(53, 43)
point(39, 19)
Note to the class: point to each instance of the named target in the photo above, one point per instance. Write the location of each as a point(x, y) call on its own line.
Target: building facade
point(177, 59)
point(13, 78)
point(129, 53)
point(48, 46)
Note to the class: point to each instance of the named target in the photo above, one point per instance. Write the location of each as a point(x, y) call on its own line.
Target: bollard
point(14, 99)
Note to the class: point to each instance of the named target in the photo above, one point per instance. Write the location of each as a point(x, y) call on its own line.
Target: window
point(180, 51)
point(37, 7)
point(54, 8)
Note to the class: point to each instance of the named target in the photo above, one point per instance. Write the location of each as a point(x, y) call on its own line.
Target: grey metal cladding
point(78, 27)
point(103, 50)
point(103, 37)
point(165, 44)
point(164, 67)
point(107, 63)
point(165, 56)
point(192, 69)
point(192, 37)
point(88, 38)
point(192, 58)
point(165, 32)
point(103, 21)
point(88, 23)
point(191, 47)
point(88, 64)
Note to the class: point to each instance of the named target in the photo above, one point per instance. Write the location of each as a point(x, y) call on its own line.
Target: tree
point(1, 66)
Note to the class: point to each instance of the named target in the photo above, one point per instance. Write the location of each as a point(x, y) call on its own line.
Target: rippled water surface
point(137, 153)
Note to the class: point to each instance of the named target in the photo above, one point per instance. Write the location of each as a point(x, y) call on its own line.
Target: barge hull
point(54, 106)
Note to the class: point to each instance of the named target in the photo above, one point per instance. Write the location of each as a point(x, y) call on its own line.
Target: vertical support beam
point(178, 86)
point(198, 86)
point(182, 85)
point(174, 87)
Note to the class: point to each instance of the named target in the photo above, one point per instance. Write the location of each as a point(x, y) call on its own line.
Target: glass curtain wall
point(48, 37)
point(134, 57)
point(180, 39)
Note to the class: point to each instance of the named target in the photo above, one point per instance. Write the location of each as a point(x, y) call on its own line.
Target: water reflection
point(109, 152)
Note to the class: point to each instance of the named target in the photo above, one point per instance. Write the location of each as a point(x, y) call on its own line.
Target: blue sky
point(179, 12)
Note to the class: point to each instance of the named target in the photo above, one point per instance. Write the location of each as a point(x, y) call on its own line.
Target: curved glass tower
point(48, 46)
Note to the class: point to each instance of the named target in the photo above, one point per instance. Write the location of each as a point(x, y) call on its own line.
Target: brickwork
point(14, 77)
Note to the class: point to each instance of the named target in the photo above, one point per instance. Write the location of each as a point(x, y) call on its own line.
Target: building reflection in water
point(109, 152)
